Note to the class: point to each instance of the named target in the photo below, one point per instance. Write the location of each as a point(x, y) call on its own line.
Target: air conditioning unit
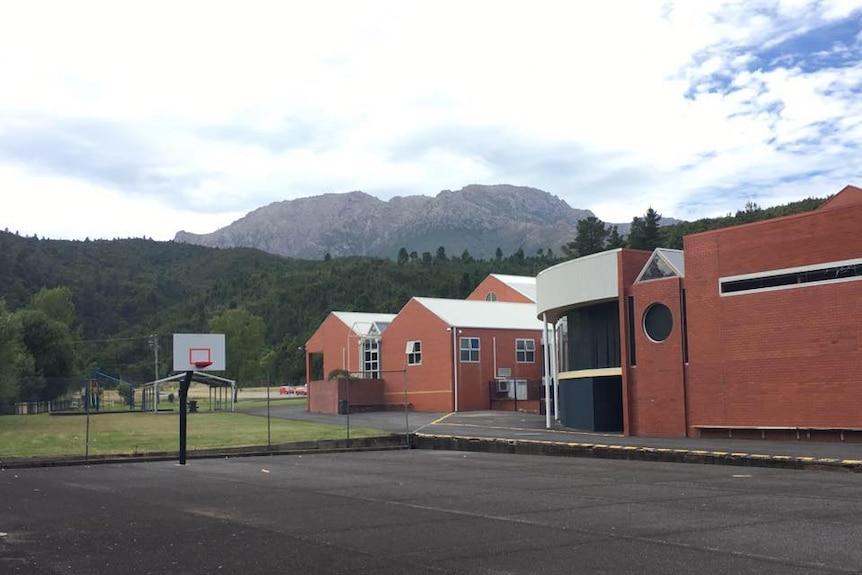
point(503, 386)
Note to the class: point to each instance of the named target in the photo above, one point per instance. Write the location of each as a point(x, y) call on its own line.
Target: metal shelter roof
point(198, 376)
point(483, 314)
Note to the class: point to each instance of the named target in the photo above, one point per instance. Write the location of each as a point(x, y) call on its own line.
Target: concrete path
point(527, 429)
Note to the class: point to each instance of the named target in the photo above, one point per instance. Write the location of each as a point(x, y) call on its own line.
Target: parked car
point(299, 390)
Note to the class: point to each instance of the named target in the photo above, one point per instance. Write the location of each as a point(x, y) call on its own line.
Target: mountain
point(477, 218)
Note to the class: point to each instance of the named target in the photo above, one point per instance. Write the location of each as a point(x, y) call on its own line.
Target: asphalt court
point(424, 511)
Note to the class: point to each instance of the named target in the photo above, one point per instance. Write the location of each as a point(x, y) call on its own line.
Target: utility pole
point(154, 343)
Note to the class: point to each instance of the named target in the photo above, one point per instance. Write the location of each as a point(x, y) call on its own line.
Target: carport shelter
point(221, 390)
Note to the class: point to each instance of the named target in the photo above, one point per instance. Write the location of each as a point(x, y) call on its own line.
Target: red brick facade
point(787, 357)
point(493, 287)
point(776, 352)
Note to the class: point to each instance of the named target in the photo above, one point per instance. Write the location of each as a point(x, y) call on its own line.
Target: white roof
point(483, 314)
point(362, 322)
point(524, 285)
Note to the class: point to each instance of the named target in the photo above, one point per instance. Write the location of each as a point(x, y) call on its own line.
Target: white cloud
point(169, 116)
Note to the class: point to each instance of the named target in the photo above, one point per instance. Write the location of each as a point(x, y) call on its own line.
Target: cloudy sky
point(133, 118)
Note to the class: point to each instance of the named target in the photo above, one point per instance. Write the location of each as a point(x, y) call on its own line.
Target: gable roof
point(483, 314)
point(525, 285)
point(364, 323)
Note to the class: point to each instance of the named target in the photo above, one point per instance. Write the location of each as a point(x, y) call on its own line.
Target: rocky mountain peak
point(478, 218)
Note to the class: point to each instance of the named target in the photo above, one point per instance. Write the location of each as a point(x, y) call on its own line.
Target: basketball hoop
point(202, 364)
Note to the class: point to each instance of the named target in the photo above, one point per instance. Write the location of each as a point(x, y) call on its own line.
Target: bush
point(340, 374)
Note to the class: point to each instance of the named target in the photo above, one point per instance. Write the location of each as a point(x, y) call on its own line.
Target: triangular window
point(663, 263)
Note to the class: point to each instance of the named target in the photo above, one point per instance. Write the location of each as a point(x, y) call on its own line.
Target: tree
point(15, 362)
point(751, 213)
point(614, 240)
point(498, 255)
point(644, 233)
point(403, 256)
point(245, 343)
point(49, 342)
point(56, 303)
point(590, 239)
point(441, 254)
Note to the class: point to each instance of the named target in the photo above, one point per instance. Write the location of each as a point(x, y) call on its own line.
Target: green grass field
point(141, 433)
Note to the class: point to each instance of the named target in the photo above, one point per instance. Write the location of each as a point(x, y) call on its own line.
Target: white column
point(547, 375)
point(555, 373)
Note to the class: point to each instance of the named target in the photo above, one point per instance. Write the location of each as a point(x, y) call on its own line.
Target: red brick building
point(501, 287)
point(750, 331)
point(435, 355)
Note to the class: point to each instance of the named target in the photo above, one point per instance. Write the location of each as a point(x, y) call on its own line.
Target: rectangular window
point(469, 349)
point(684, 313)
point(849, 270)
point(414, 353)
point(525, 350)
point(630, 328)
point(370, 358)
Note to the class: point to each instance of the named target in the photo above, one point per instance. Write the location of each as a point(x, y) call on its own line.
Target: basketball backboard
point(199, 352)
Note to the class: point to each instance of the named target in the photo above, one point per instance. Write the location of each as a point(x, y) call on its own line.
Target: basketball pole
point(184, 395)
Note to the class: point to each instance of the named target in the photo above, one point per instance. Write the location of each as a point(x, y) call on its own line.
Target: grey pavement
point(529, 428)
point(424, 511)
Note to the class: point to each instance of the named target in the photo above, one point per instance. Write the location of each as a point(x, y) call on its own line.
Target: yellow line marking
point(441, 418)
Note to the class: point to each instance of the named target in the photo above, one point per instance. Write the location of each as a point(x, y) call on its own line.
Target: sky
point(143, 118)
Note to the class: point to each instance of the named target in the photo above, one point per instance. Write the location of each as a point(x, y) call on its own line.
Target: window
point(491, 296)
point(370, 358)
point(658, 322)
point(684, 314)
point(630, 330)
point(414, 353)
point(525, 350)
point(470, 349)
point(849, 270)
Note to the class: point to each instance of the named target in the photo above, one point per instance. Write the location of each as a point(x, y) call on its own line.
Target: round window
point(658, 322)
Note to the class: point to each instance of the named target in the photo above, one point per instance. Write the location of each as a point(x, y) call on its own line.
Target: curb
point(631, 452)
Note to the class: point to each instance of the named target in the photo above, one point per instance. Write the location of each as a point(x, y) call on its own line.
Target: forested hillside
point(124, 291)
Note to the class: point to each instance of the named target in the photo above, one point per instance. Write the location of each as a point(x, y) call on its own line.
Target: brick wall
point(629, 265)
point(500, 289)
point(657, 393)
point(789, 357)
